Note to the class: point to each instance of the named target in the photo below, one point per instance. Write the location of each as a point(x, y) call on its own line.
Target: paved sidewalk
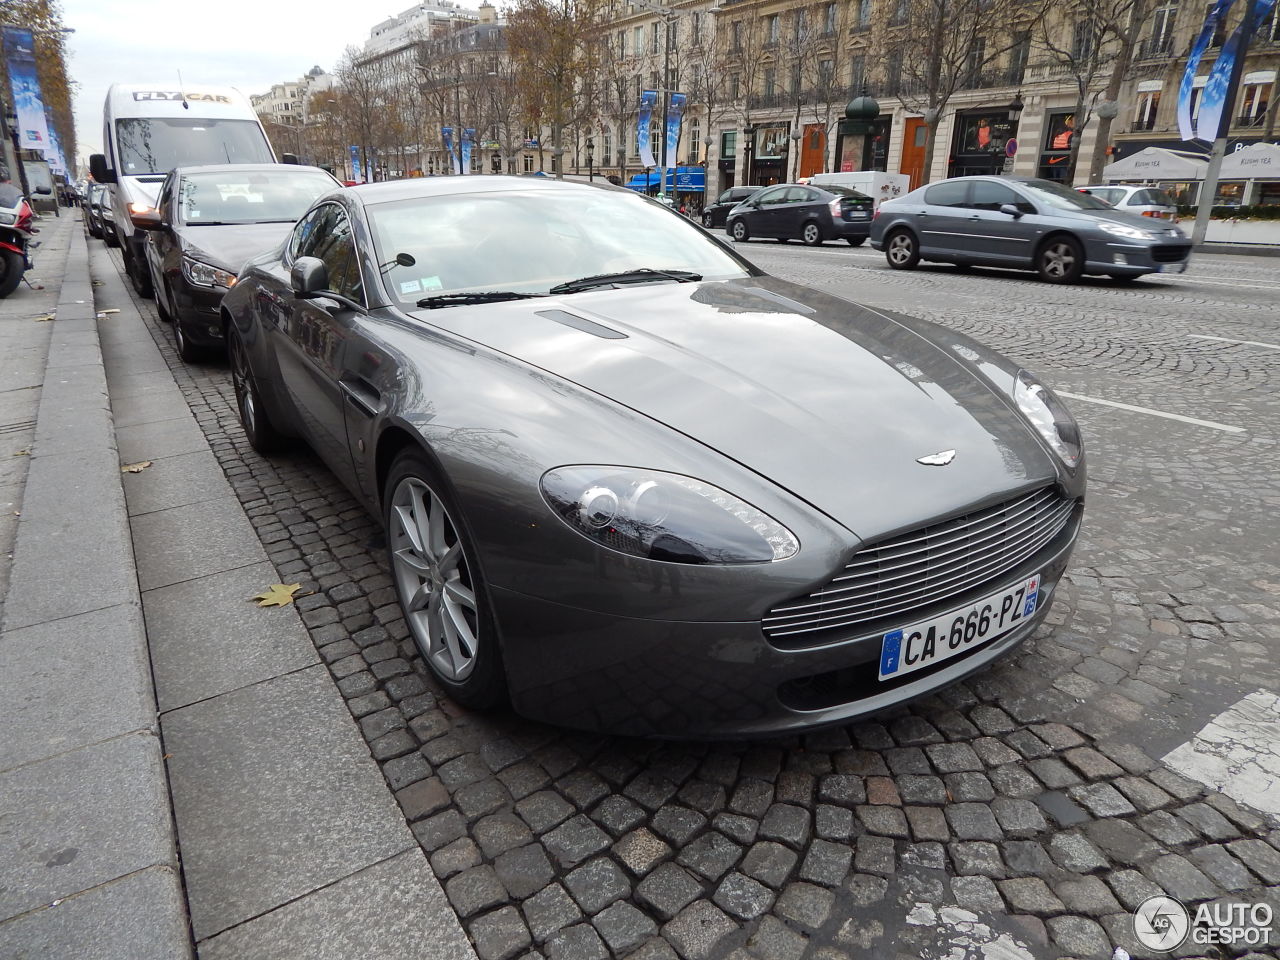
point(88, 865)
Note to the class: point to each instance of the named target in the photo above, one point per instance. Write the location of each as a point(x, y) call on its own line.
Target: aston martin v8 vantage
point(631, 482)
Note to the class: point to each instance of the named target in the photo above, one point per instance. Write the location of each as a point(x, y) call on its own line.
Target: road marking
point(1216, 281)
point(1238, 752)
point(1247, 343)
point(1227, 428)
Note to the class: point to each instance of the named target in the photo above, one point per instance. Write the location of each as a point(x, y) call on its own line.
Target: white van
point(149, 130)
point(876, 184)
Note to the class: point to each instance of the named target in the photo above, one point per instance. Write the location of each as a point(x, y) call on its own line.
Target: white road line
point(1247, 343)
point(1227, 428)
point(1238, 752)
point(1215, 281)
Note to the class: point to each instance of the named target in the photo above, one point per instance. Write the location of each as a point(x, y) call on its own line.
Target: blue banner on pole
point(643, 146)
point(28, 101)
point(447, 133)
point(468, 139)
point(675, 111)
point(356, 175)
point(1213, 99)
point(1186, 127)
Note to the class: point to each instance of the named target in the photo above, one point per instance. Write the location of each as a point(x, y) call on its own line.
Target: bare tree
point(824, 69)
point(939, 47)
point(1120, 23)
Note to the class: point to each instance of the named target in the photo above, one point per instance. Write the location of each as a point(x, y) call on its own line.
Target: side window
point(771, 198)
point(727, 196)
point(164, 205)
point(334, 245)
point(949, 193)
point(1142, 198)
point(799, 195)
point(304, 234)
point(985, 195)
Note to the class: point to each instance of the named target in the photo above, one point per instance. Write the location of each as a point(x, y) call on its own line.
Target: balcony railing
point(1155, 48)
point(769, 101)
point(1251, 120)
point(1143, 123)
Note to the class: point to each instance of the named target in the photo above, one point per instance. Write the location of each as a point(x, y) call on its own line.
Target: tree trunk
point(930, 140)
point(1077, 137)
point(1119, 71)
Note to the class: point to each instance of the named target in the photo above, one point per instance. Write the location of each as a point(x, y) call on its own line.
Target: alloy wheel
point(244, 390)
point(434, 579)
point(811, 234)
point(900, 248)
point(708, 221)
point(1059, 260)
point(739, 230)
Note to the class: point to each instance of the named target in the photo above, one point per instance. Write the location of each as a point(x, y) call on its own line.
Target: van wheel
point(139, 276)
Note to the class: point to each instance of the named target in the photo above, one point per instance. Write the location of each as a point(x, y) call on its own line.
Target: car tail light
point(875, 213)
point(1150, 213)
point(835, 208)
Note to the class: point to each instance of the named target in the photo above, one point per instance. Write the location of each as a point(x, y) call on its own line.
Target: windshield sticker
point(432, 283)
point(410, 286)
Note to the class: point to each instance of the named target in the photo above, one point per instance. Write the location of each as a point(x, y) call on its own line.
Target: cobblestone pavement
point(1024, 812)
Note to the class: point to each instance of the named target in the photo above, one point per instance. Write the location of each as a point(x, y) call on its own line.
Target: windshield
point(530, 241)
point(149, 145)
point(1062, 198)
point(250, 196)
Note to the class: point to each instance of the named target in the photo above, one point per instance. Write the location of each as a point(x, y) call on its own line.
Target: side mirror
point(98, 167)
point(1011, 210)
point(46, 191)
point(289, 158)
point(150, 220)
point(309, 277)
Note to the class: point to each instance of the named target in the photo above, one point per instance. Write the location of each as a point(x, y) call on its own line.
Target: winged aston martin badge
point(940, 459)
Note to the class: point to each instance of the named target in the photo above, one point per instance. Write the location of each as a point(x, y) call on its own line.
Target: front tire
point(188, 351)
point(738, 230)
point(902, 250)
point(139, 275)
point(1060, 260)
point(856, 241)
point(439, 585)
point(811, 234)
point(262, 434)
point(13, 266)
point(708, 221)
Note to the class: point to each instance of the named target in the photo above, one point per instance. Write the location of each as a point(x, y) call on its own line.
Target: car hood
point(1117, 216)
point(828, 399)
point(232, 245)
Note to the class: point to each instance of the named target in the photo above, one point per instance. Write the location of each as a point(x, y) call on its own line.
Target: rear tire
point(13, 266)
point(1060, 260)
point(738, 230)
point(902, 250)
point(811, 234)
point(139, 275)
point(262, 434)
point(439, 584)
point(1125, 278)
point(109, 237)
point(188, 351)
point(856, 241)
point(161, 310)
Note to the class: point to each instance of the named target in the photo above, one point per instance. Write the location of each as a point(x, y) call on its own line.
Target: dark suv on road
point(714, 216)
point(1024, 223)
point(794, 211)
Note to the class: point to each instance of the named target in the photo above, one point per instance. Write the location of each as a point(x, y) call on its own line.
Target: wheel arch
point(1055, 235)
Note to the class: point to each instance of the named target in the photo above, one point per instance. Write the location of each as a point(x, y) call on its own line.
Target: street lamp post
point(591, 178)
point(796, 137)
point(622, 164)
point(748, 147)
point(784, 148)
point(457, 131)
point(706, 159)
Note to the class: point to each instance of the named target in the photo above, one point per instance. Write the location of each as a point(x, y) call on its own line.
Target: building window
point(606, 145)
point(1019, 53)
point(857, 72)
point(770, 82)
point(728, 144)
point(622, 43)
point(826, 75)
point(653, 80)
point(797, 82)
point(900, 11)
point(637, 41)
point(735, 86)
point(695, 141)
point(528, 163)
point(695, 27)
point(1253, 103)
point(1219, 31)
point(653, 37)
point(974, 61)
point(864, 13)
point(1082, 41)
point(893, 72)
point(1144, 117)
point(829, 19)
point(772, 28)
point(737, 36)
point(1161, 41)
point(673, 34)
point(799, 26)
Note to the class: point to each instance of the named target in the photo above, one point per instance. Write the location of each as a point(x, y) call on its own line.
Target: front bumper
point(198, 310)
point(1134, 258)
point(642, 677)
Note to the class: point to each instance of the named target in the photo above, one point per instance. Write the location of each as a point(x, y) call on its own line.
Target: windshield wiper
point(479, 296)
point(639, 275)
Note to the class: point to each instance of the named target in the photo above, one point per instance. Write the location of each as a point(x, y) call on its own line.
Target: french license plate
point(858, 214)
point(924, 644)
point(1173, 267)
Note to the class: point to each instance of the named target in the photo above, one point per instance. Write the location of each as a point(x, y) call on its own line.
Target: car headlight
point(1126, 231)
point(8, 218)
point(664, 516)
point(206, 275)
point(1049, 416)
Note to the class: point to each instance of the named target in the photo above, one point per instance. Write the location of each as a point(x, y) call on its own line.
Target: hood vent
point(583, 324)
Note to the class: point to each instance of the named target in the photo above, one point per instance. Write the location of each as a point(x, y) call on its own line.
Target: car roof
point(245, 168)
point(413, 188)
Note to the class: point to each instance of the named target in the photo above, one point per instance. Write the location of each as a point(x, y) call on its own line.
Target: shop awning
point(685, 180)
point(1261, 161)
point(1156, 163)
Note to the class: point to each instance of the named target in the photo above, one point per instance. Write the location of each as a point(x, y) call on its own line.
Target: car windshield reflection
point(530, 241)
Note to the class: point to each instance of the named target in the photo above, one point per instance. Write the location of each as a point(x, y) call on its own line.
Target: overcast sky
point(248, 44)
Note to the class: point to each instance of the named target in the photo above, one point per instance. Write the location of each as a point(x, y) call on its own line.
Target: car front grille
point(922, 568)
point(1170, 252)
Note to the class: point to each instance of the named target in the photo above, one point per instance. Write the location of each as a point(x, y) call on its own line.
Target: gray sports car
point(630, 482)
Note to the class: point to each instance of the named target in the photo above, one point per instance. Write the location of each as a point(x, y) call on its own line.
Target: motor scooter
point(16, 229)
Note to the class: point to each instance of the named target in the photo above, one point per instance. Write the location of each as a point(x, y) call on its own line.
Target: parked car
point(715, 215)
point(620, 467)
point(1024, 223)
point(95, 196)
point(793, 211)
point(208, 221)
point(107, 217)
point(1144, 201)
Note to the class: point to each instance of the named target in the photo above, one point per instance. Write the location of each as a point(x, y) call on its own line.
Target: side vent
point(583, 324)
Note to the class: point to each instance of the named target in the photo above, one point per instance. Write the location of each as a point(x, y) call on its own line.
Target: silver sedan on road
point(1024, 223)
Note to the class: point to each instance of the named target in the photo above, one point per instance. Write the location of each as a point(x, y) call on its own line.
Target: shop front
point(1055, 151)
point(866, 152)
point(978, 145)
point(728, 158)
point(769, 158)
point(1240, 184)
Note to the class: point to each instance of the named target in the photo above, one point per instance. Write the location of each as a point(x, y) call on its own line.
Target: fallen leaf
point(277, 595)
point(167, 756)
point(22, 453)
point(45, 319)
point(135, 467)
point(103, 313)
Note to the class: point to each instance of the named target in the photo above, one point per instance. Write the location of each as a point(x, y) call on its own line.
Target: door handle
point(975, 217)
point(921, 213)
point(362, 396)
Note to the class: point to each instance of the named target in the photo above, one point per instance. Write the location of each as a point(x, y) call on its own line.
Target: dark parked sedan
point(208, 221)
point(1030, 224)
point(91, 211)
point(714, 216)
point(631, 482)
point(793, 211)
